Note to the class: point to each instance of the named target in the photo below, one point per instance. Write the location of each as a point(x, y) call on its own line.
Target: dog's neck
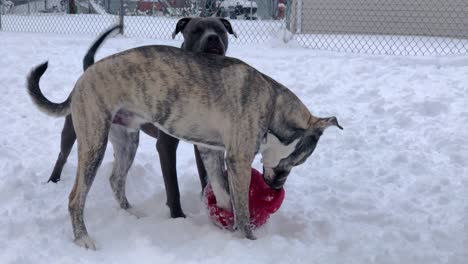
point(291, 119)
point(273, 150)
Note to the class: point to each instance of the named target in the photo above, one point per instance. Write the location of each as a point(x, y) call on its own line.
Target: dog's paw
point(223, 200)
point(177, 213)
point(85, 242)
point(249, 235)
point(136, 212)
point(246, 230)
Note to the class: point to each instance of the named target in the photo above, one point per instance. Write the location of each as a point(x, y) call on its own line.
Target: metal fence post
point(121, 17)
point(289, 4)
point(72, 7)
point(299, 17)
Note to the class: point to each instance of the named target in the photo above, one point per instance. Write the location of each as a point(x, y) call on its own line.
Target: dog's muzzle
point(275, 178)
point(213, 45)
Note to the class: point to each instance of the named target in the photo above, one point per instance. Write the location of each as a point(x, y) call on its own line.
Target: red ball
point(263, 201)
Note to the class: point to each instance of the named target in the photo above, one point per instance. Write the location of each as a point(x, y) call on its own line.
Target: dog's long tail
point(88, 59)
point(39, 99)
point(61, 109)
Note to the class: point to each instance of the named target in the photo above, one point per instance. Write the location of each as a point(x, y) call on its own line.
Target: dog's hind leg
point(125, 143)
point(67, 140)
point(214, 164)
point(92, 142)
point(201, 168)
point(167, 147)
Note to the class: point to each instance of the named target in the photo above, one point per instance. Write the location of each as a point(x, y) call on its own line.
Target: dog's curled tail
point(88, 59)
point(39, 99)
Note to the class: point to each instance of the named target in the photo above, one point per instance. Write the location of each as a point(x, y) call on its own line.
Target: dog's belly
point(193, 140)
point(134, 121)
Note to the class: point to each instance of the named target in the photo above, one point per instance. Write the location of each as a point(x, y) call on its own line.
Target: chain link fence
point(401, 27)
point(141, 18)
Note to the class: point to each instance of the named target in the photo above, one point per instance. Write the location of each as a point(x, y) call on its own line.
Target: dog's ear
point(180, 25)
point(228, 26)
point(322, 123)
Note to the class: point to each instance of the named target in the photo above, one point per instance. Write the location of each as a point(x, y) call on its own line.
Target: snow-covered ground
point(391, 187)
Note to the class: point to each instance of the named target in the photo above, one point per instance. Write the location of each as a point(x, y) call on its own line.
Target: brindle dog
point(228, 120)
point(207, 35)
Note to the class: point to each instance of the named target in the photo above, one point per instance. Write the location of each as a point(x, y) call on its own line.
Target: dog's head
point(204, 34)
point(279, 158)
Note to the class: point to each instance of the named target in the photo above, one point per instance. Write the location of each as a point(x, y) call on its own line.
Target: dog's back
point(166, 53)
point(170, 87)
point(153, 71)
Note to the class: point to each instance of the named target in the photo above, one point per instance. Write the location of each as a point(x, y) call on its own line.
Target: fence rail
point(401, 27)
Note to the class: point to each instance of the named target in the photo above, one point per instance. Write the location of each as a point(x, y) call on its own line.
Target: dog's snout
point(213, 44)
point(277, 180)
point(212, 38)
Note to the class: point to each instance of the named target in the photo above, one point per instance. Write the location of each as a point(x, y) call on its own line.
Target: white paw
point(136, 212)
point(223, 200)
point(85, 242)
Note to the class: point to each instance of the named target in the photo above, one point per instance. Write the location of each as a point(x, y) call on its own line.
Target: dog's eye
point(197, 31)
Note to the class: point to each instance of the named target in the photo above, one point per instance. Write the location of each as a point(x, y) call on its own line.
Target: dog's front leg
point(239, 173)
point(214, 165)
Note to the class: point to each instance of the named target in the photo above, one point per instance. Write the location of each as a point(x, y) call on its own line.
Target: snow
point(390, 188)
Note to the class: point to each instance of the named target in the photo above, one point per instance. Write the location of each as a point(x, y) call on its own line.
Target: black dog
point(207, 35)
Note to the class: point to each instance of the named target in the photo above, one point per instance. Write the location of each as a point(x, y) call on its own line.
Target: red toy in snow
point(263, 201)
